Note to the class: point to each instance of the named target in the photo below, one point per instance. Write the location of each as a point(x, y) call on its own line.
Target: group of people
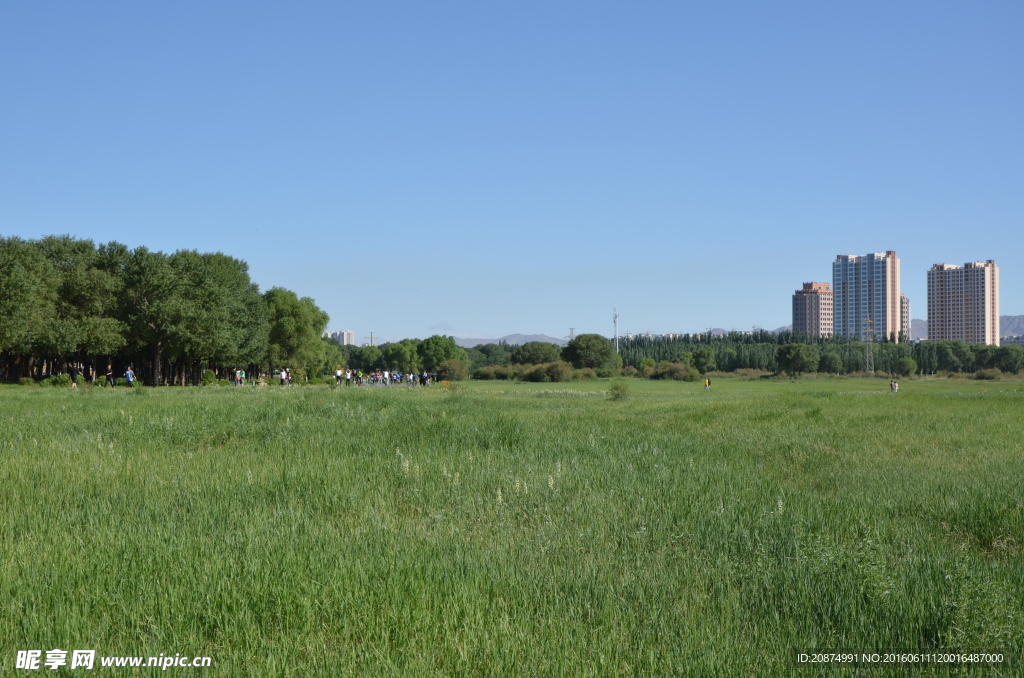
point(894, 386)
point(349, 377)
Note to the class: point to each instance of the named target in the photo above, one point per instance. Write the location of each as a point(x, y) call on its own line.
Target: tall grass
point(514, 530)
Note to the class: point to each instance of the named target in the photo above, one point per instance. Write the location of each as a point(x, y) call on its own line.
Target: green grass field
point(509, 529)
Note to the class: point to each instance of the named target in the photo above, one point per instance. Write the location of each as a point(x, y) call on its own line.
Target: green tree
point(152, 304)
point(704, 359)
point(535, 353)
point(590, 350)
point(402, 356)
point(295, 329)
point(831, 363)
point(367, 358)
point(798, 358)
point(906, 366)
point(437, 349)
point(27, 295)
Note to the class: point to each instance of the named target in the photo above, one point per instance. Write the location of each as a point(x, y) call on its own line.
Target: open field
point(510, 529)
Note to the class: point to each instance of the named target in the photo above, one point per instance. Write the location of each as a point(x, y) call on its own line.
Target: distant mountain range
point(1009, 326)
point(511, 340)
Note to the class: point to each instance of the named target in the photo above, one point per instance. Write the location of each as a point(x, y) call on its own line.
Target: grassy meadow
point(503, 529)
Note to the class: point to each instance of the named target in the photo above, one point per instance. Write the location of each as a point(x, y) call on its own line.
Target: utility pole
point(615, 319)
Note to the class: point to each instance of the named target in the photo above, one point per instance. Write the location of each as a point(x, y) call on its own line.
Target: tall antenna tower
point(572, 333)
point(615, 319)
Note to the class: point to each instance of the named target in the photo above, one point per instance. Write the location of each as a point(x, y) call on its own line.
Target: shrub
point(627, 371)
point(452, 370)
point(646, 362)
point(223, 382)
point(988, 375)
point(484, 373)
point(906, 366)
point(58, 380)
point(27, 381)
point(676, 371)
point(209, 378)
point(619, 390)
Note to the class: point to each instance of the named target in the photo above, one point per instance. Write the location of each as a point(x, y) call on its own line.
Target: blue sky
point(476, 168)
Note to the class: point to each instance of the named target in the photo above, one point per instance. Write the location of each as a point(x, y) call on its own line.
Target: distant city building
point(813, 309)
point(1017, 339)
point(963, 303)
point(344, 337)
point(867, 302)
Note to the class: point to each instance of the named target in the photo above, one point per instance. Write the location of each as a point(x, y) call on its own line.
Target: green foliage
point(704, 359)
point(906, 366)
point(402, 356)
point(553, 371)
point(535, 352)
point(209, 378)
point(798, 358)
point(436, 349)
point(647, 363)
point(590, 350)
point(58, 380)
point(27, 381)
point(675, 371)
point(619, 390)
point(296, 327)
point(452, 370)
point(831, 363)
point(366, 358)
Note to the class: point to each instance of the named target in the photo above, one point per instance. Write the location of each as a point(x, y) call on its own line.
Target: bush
point(906, 367)
point(627, 371)
point(988, 375)
point(209, 378)
point(27, 381)
point(452, 370)
point(58, 380)
point(619, 390)
point(646, 362)
point(555, 371)
point(223, 382)
point(484, 373)
point(675, 371)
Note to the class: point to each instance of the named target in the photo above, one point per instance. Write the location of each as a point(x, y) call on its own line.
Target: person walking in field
point(110, 376)
point(129, 376)
point(707, 384)
point(74, 372)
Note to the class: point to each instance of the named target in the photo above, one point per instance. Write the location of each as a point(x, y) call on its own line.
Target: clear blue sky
point(477, 168)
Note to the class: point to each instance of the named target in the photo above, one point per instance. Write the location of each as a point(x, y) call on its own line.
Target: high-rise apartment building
point(344, 337)
point(866, 297)
point(963, 303)
point(812, 310)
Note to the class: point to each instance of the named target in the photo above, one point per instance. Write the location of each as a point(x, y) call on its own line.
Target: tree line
point(172, 317)
point(778, 352)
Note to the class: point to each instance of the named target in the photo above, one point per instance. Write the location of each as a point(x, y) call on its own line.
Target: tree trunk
point(157, 346)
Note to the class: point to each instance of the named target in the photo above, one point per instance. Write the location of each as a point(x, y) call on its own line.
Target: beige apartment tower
point(963, 303)
point(812, 310)
point(867, 299)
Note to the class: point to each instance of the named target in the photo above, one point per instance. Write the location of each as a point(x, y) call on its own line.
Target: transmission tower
point(869, 347)
point(615, 319)
point(572, 333)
